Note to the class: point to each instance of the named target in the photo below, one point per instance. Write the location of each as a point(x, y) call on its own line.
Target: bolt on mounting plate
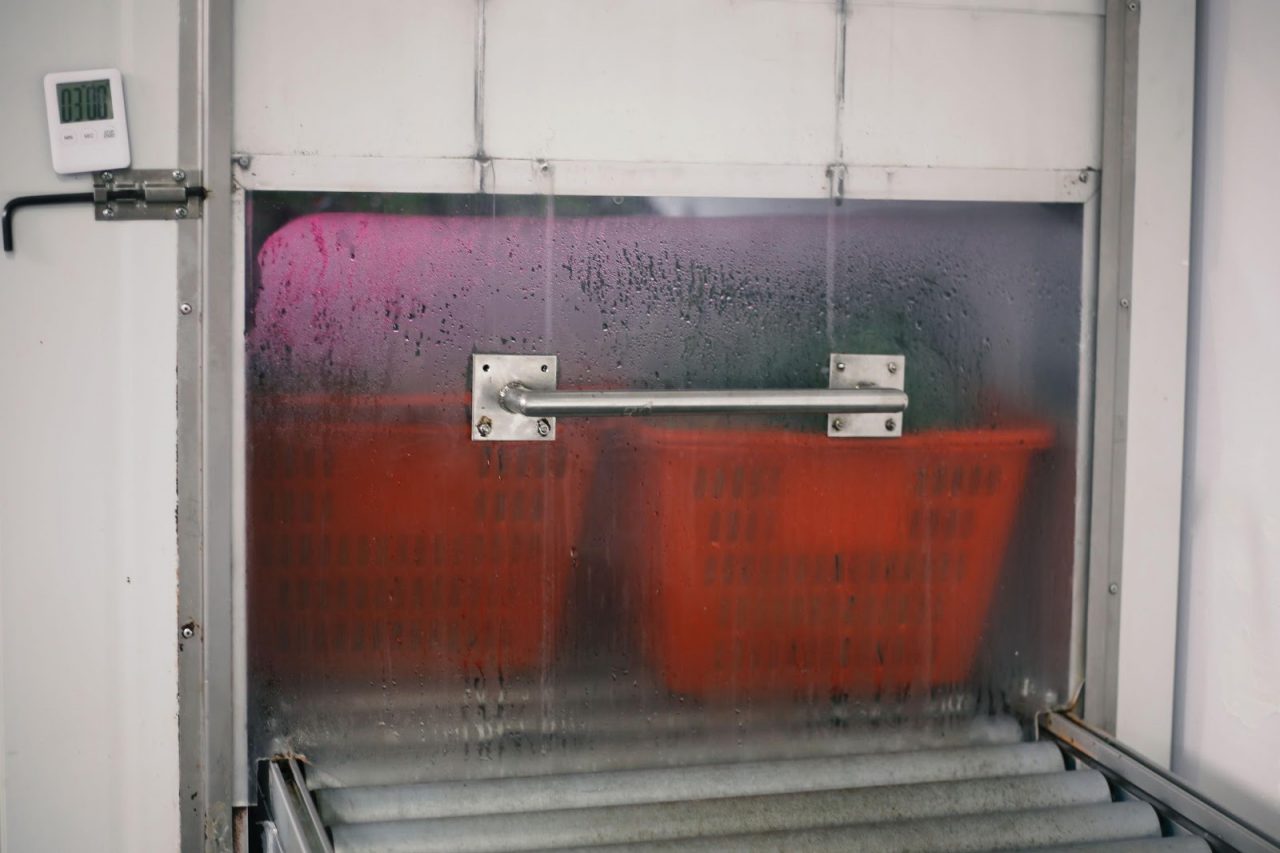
point(866, 371)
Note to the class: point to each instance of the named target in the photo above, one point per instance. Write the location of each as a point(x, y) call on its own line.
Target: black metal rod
point(12, 205)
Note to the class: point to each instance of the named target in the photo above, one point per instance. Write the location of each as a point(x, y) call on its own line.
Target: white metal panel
point(1013, 84)
point(934, 86)
point(1157, 378)
point(722, 81)
point(394, 78)
point(87, 441)
point(1227, 736)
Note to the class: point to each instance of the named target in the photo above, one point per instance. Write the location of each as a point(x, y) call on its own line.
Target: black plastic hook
point(12, 205)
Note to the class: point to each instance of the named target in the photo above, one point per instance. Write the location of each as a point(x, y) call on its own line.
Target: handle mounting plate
point(850, 370)
point(492, 373)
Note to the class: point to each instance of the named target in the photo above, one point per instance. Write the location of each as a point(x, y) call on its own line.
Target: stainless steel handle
point(519, 400)
point(514, 398)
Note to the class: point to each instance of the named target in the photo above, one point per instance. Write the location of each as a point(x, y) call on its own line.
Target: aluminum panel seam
point(503, 176)
point(207, 754)
point(1115, 241)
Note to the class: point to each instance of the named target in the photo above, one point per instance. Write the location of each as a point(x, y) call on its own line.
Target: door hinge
point(147, 194)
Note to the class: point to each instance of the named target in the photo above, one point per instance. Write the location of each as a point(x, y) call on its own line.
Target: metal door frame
point(213, 776)
point(207, 668)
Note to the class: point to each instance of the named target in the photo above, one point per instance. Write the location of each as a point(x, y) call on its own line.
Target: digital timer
point(87, 129)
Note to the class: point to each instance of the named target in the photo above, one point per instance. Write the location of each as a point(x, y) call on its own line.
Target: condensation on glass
point(648, 591)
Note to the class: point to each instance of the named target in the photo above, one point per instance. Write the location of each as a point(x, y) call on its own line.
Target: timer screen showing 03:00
point(85, 100)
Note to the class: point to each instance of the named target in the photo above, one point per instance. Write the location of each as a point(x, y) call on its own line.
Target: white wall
point(88, 553)
point(1227, 723)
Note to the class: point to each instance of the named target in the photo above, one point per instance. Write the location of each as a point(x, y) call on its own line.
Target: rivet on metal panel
point(184, 308)
point(544, 426)
point(242, 161)
point(1124, 302)
point(1113, 588)
point(892, 367)
point(890, 424)
point(484, 427)
point(839, 365)
point(1083, 177)
point(837, 424)
point(188, 631)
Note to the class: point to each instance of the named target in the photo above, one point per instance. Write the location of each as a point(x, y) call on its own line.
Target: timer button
point(68, 137)
point(89, 135)
point(109, 133)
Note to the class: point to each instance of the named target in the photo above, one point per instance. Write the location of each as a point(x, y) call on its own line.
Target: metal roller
point(953, 834)
point(356, 762)
point(588, 790)
point(697, 818)
point(1184, 844)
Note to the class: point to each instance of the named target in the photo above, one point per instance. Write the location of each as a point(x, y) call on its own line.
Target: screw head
point(184, 308)
point(484, 428)
point(181, 213)
point(108, 177)
point(108, 212)
point(188, 632)
point(1113, 588)
point(544, 427)
point(890, 424)
point(837, 425)
point(179, 175)
point(839, 365)
point(1083, 177)
point(1124, 302)
point(243, 161)
point(892, 367)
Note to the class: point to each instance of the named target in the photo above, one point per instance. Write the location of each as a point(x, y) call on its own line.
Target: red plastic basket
point(773, 562)
point(381, 535)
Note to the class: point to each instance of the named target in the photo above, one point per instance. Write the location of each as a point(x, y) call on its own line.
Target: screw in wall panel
point(1114, 588)
point(544, 427)
point(837, 424)
point(892, 367)
point(184, 308)
point(181, 213)
point(484, 427)
point(179, 175)
point(889, 424)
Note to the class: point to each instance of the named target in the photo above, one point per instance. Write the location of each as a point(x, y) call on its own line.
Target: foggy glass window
point(648, 591)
